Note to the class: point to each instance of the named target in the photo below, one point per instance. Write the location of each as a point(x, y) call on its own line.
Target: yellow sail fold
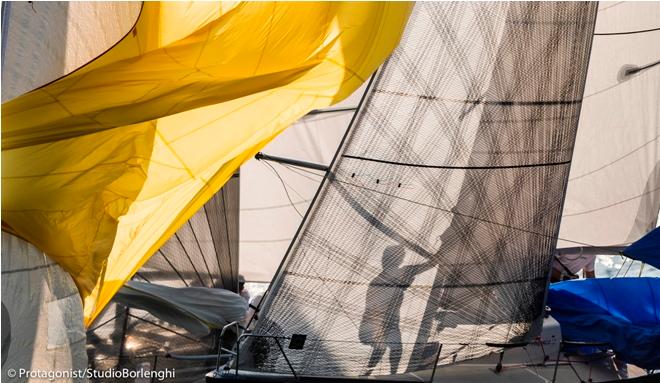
point(100, 167)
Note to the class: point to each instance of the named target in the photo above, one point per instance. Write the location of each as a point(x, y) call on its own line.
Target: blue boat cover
point(625, 312)
point(646, 249)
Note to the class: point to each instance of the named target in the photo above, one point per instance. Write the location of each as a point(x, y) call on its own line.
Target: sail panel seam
point(482, 102)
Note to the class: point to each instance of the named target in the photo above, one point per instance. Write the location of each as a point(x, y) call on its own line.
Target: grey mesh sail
point(433, 232)
point(202, 253)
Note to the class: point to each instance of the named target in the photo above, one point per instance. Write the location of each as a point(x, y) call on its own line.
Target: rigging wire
point(625, 260)
point(304, 169)
point(231, 264)
point(616, 160)
point(296, 171)
point(139, 275)
point(293, 168)
point(103, 324)
point(641, 269)
point(284, 185)
point(611, 6)
point(173, 268)
point(274, 206)
point(612, 204)
point(215, 250)
point(176, 235)
point(628, 269)
point(199, 246)
point(626, 32)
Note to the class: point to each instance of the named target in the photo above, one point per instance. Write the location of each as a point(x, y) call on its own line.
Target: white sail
point(42, 41)
point(613, 194)
point(268, 216)
point(42, 319)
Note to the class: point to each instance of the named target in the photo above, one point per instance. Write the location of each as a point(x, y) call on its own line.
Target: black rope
point(215, 249)
point(628, 269)
point(199, 246)
point(612, 204)
point(273, 206)
point(103, 324)
point(455, 167)
point(173, 268)
point(231, 264)
point(294, 170)
point(619, 271)
point(616, 160)
point(142, 276)
point(176, 235)
point(627, 32)
point(28, 269)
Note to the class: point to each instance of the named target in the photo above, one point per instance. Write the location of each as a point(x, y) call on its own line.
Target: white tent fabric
point(42, 318)
point(268, 217)
point(613, 194)
point(197, 309)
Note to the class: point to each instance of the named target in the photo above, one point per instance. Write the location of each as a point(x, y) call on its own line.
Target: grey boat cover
point(197, 309)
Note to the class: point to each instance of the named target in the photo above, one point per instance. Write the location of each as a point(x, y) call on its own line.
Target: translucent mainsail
point(434, 230)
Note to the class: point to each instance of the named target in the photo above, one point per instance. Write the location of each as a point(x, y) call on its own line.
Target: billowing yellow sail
point(100, 167)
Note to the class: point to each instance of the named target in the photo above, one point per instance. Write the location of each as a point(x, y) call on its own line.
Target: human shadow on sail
point(380, 323)
point(457, 298)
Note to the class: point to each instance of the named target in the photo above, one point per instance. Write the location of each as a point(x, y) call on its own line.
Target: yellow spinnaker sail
point(100, 167)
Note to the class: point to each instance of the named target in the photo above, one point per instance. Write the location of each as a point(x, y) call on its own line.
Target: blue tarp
point(625, 312)
point(647, 249)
